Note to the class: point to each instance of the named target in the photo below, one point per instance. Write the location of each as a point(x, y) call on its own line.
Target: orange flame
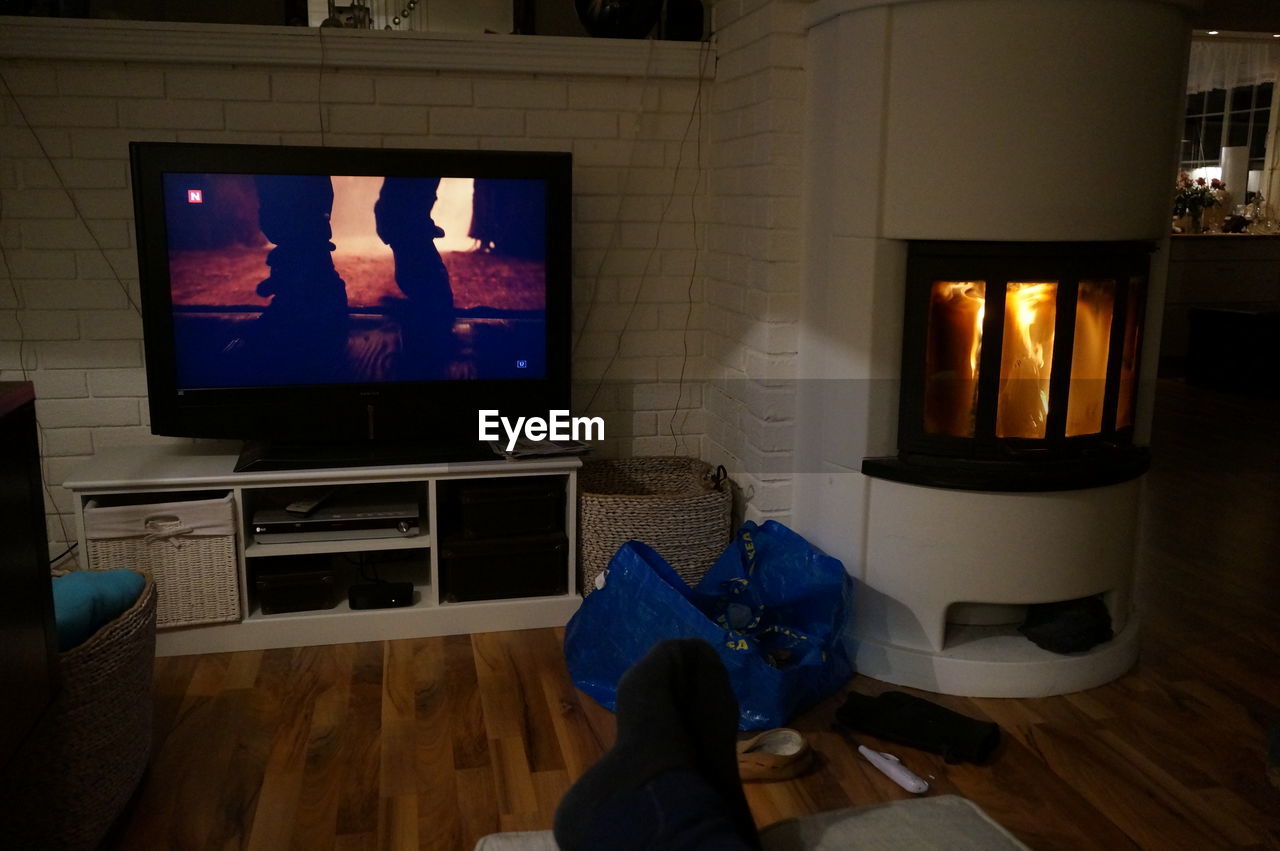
point(1027, 359)
point(1091, 348)
point(953, 350)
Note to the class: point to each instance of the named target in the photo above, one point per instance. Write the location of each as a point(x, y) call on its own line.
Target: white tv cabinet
point(160, 474)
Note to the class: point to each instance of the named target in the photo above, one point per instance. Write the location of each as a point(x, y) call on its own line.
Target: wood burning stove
point(1019, 366)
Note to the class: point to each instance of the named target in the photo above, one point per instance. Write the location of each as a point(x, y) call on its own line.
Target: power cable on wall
point(320, 86)
point(705, 53)
point(694, 114)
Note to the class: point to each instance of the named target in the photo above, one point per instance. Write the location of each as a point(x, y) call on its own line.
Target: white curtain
point(1227, 64)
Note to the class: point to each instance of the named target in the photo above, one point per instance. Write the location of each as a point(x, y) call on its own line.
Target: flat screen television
point(336, 306)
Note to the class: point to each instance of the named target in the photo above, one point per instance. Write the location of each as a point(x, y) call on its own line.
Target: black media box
point(296, 591)
point(480, 510)
point(380, 595)
point(504, 568)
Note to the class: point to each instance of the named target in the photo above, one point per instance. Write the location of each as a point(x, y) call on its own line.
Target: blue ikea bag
point(775, 608)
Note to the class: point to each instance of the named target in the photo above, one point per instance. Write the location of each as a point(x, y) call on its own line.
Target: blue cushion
point(84, 601)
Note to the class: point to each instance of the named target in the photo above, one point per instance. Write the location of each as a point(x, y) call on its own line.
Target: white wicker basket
point(188, 547)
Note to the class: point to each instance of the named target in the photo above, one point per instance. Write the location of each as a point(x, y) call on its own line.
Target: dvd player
point(337, 523)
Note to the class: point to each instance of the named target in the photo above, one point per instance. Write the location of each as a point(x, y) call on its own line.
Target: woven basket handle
point(165, 527)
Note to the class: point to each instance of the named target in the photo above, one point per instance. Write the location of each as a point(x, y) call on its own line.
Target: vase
point(1196, 226)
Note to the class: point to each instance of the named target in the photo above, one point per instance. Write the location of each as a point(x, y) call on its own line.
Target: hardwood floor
point(433, 743)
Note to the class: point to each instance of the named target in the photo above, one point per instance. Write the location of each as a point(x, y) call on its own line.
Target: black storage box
point(282, 591)
point(508, 508)
point(531, 566)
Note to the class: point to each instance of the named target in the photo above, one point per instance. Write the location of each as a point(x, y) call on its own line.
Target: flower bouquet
point(1192, 197)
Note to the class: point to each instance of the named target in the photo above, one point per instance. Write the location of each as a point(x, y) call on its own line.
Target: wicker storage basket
point(188, 547)
point(74, 773)
point(679, 506)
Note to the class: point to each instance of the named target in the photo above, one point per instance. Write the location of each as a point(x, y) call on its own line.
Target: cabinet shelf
point(353, 545)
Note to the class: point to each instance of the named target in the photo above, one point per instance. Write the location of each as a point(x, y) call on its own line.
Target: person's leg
point(671, 778)
point(302, 333)
point(403, 219)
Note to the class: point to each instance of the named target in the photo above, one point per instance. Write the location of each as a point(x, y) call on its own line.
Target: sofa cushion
point(940, 822)
point(518, 840)
point(84, 601)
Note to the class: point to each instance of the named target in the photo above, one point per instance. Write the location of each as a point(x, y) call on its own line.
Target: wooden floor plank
point(579, 746)
point(398, 756)
point(528, 649)
point(477, 803)
point(467, 733)
point(499, 687)
point(514, 780)
point(398, 822)
point(432, 751)
point(276, 808)
point(358, 803)
point(262, 712)
point(549, 787)
point(315, 823)
point(1149, 813)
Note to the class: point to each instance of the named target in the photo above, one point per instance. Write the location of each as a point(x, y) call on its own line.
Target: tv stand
point(493, 546)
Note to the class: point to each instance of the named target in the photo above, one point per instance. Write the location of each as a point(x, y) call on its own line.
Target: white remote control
point(306, 506)
point(890, 766)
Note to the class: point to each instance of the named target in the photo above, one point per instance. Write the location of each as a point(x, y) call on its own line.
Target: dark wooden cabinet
point(28, 644)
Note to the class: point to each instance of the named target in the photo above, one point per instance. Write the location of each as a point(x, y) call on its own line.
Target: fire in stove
point(1016, 355)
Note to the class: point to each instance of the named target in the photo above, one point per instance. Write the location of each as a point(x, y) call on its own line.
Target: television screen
point(282, 279)
point(311, 294)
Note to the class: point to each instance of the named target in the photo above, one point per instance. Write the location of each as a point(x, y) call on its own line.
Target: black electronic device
point(380, 595)
point(297, 590)
point(327, 304)
point(503, 568)
point(484, 509)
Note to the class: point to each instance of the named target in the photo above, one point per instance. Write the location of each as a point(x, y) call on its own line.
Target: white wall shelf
point(49, 39)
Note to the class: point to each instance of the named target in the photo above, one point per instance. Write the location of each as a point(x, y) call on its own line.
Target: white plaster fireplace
point(1046, 123)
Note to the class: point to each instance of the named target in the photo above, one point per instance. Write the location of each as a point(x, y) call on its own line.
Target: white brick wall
point(753, 264)
point(70, 277)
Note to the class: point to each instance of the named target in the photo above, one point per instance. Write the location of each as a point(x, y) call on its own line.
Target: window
point(1218, 119)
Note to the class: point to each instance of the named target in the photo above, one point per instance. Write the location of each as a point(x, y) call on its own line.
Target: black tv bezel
point(425, 412)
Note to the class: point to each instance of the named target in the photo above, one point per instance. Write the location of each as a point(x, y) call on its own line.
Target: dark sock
point(713, 720)
point(675, 811)
point(903, 718)
point(676, 713)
